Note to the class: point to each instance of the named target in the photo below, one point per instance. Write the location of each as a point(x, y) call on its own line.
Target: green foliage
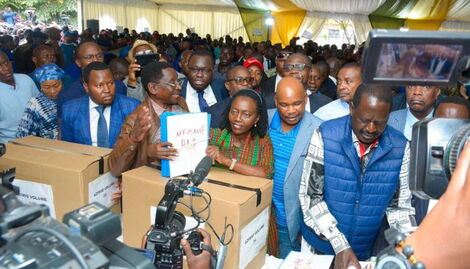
point(46, 10)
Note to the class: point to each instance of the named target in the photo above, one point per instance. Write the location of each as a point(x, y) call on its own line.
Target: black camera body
point(30, 238)
point(437, 144)
point(165, 237)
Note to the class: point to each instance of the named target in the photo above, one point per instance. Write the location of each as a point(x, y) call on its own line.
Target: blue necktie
point(102, 128)
point(202, 102)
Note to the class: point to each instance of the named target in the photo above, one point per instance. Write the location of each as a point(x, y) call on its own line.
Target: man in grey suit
point(290, 131)
point(420, 100)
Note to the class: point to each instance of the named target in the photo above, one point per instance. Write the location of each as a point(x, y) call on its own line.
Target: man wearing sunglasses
point(86, 53)
point(269, 86)
point(238, 78)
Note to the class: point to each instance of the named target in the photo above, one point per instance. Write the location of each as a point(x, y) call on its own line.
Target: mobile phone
point(145, 59)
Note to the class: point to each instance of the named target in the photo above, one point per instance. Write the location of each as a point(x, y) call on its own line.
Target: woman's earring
point(255, 124)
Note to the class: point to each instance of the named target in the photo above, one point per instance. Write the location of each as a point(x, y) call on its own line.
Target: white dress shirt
point(410, 121)
point(278, 78)
point(336, 109)
point(307, 105)
point(193, 101)
point(94, 117)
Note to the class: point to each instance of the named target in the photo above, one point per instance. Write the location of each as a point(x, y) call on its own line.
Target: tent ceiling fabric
point(197, 2)
point(364, 7)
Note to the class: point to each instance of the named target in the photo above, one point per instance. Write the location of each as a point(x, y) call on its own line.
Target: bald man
point(238, 78)
point(290, 131)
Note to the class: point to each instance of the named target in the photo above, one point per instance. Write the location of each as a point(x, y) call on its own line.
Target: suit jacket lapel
point(85, 120)
point(216, 92)
point(301, 142)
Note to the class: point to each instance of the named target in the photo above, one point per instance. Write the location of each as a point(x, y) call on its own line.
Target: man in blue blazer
point(421, 101)
point(96, 119)
point(290, 131)
point(199, 89)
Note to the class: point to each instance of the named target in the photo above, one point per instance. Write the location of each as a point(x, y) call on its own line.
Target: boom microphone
point(201, 171)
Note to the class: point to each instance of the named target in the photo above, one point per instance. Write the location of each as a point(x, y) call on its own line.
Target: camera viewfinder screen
point(427, 62)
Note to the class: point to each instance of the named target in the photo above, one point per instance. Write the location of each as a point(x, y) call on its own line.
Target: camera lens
point(454, 148)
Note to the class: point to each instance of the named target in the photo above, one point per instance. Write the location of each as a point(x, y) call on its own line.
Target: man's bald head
point(290, 102)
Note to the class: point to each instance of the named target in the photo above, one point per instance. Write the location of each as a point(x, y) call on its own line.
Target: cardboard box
point(59, 174)
point(245, 208)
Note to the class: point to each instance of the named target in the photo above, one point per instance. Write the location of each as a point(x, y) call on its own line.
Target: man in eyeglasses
point(86, 53)
point(298, 66)
point(199, 89)
point(139, 142)
point(269, 86)
point(238, 78)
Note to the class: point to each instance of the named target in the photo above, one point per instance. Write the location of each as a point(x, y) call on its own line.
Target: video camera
point(400, 58)
point(163, 240)
point(30, 238)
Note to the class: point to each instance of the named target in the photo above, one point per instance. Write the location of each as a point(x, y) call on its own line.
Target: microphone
point(201, 171)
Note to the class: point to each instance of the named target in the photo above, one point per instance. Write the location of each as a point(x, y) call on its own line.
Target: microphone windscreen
point(201, 171)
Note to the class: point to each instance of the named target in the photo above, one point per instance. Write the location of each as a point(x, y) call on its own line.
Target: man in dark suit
point(199, 89)
point(268, 86)
point(86, 53)
point(328, 87)
point(238, 78)
point(298, 66)
point(96, 119)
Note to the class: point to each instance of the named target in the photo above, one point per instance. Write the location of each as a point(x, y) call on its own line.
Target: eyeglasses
point(298, 67)
point(197, 70)
point(99, 56)
point(240, 80)
point(144, 52)
point(283, 55)
point(173, 85)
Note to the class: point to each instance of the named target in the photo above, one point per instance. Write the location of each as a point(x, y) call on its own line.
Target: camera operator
point(443, 238)
point(201, 261)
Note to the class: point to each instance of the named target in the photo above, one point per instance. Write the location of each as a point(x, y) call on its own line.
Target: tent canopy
point(246, 18)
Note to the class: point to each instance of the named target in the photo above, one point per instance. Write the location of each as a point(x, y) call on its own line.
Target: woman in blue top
point(40, 116)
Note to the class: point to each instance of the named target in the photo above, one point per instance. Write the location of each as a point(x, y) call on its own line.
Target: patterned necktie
point(102, 128)
point(202, 102)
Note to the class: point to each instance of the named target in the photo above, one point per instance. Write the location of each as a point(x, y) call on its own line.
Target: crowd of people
point(336, 149)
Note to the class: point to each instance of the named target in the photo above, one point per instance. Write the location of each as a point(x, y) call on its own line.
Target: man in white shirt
point(199, 89)
point(15, 92)
point(349, 78)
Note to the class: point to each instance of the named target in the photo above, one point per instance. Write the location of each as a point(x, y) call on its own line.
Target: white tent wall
point(166, 18)
point(214, 20)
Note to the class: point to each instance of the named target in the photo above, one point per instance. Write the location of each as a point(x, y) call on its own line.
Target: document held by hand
point(189, 134)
